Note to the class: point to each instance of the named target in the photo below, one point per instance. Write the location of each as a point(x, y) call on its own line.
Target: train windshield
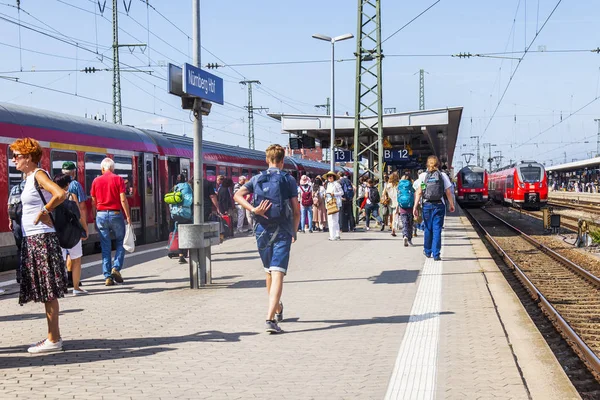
point(531, 173)
point(472, 180)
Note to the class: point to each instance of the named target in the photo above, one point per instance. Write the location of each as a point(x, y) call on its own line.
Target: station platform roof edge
point(424, 132)
point(575, 165)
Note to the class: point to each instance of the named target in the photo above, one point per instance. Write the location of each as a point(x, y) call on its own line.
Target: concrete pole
point(332, 135)
point(199, 258)
point(198, 162)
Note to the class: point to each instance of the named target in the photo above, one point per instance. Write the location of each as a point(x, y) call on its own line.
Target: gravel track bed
point(534, 228)
point(580, 376)
point(577, 300)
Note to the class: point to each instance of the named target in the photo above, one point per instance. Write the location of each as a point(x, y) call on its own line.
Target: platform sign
point(199, 83)
point(395, 155)
point(343, 156)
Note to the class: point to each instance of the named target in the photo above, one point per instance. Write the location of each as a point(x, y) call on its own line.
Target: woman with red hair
point(43, 272)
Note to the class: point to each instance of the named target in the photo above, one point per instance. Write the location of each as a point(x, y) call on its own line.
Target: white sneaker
point(337, 238)
point(368, 228)
point(46, 346)
point(79, 292)
point(405, 241)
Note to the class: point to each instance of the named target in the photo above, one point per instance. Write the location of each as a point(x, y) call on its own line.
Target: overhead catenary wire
point(411, 21)
point(517, 68)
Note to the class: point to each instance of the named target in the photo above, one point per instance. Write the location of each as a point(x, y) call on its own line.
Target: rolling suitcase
point(227, 226)
point(173, 244)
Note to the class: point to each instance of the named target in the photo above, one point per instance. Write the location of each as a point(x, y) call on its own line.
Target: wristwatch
point(45, 210)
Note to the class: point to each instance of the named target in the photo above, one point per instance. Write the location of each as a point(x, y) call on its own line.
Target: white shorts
point(75, 253)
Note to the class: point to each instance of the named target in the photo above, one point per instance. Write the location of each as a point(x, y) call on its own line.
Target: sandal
point(394, 234)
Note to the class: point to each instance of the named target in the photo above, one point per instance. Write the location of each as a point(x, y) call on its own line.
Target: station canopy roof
point(575, 165)
point(423, 132)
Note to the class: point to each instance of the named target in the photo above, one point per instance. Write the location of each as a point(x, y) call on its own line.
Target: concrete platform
point(365, 318)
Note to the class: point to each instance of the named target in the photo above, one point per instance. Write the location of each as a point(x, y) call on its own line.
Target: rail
point(575, 341)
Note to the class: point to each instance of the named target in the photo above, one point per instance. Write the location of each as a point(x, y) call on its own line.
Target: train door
point(184, 167)
point(149, 196)
point(509, 185)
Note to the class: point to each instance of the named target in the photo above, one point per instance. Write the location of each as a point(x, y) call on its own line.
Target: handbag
point(332, 206)
point(386, 200)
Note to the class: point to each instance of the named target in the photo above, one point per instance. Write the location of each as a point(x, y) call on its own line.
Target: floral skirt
point(43, 270)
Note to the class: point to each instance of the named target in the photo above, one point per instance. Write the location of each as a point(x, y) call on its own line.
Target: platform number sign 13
point(343, 156)
point(395, 155)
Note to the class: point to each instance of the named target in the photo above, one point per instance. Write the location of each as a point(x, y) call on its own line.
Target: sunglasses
point(16, 156)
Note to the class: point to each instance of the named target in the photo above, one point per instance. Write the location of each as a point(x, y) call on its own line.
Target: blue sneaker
point(272, 327)
point(279, 315)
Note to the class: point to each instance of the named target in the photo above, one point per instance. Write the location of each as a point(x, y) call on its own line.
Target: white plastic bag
point(397, 222)
point(129, 240)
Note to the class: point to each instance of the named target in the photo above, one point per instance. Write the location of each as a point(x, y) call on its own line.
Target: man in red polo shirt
point(108, 201)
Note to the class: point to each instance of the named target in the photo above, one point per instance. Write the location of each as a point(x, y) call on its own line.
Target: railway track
point(566, 221)
point(567, 293)
point(589, 207)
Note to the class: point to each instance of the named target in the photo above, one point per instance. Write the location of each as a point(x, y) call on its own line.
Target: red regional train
point(472, 186)
point(148, 160)
point(522, 184)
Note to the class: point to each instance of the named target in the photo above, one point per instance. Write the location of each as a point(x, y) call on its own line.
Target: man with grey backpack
point(434, 184)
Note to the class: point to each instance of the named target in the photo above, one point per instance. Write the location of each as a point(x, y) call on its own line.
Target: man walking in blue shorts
point(276, 213)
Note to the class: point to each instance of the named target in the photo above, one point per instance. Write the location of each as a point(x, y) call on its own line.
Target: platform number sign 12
point(395, 155)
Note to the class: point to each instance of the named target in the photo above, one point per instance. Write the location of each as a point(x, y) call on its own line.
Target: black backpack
point(65, 218)
point(374, 195)
point(15, 207)
point(434, 186)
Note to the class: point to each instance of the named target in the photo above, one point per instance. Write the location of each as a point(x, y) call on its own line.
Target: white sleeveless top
point(32, 204)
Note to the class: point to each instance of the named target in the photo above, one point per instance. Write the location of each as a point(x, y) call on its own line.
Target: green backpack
point(173, 197)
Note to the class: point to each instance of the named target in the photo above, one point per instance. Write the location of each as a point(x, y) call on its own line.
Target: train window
point(149, 177)
point(14, 175)
point(58, 158)
point(531, 173)
point(124, 168)
point(223, 171)
point(235, 173)
point(471, 179)
point(92, 169)
point(211, 173)
point(509, 182)
point(245, 172)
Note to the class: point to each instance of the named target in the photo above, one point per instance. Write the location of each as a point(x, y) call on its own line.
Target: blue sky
point(545, 86)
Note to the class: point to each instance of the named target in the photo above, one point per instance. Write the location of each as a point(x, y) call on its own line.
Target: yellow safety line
point(75, 147)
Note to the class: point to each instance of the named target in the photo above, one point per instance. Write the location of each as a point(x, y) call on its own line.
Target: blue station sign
point(343, 156)
point(199, 83)
point(395, 155)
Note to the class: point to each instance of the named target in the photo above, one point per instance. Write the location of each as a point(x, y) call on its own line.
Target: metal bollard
point(198, 239)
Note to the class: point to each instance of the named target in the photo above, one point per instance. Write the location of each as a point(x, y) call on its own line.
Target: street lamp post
point(332, 41)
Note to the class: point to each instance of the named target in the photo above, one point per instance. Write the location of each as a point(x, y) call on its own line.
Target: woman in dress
point(391, 191)
point(43, 272)
point(319, 210)
point(333, 191)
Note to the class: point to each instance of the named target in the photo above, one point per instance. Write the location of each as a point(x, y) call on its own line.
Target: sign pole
point(197, 256)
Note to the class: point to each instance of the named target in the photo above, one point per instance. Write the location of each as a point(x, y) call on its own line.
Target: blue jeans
point(107, 221)
point(372, 209)
point(433, 220)
point(274, 252)
point(304, 211)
